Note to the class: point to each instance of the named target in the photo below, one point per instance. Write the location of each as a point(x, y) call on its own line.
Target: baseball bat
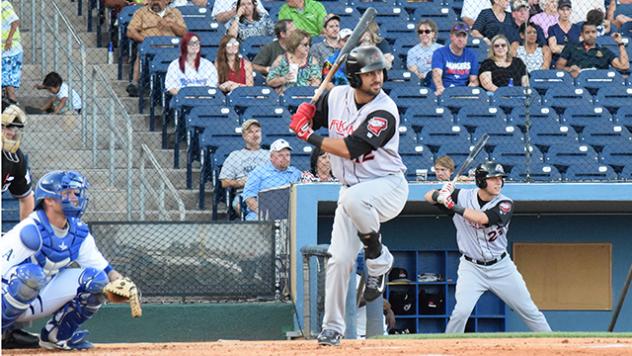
point(352, 42)
point(470, 158)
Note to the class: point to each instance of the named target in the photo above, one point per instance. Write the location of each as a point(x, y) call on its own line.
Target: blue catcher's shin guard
point(23, 287)
point(61, 330)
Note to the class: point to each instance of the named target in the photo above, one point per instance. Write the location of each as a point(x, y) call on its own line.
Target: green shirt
point(598, 57)
point(310, 19)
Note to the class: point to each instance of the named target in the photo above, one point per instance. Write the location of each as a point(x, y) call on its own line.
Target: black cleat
point(329, 337)
point(20, 339)
point(374, 287)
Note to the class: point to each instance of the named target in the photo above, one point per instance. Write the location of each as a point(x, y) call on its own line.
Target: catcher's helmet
point(54, 184)
point(488, 169)
point(363, 59)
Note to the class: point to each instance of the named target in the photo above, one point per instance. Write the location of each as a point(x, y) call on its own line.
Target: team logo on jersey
point(505, 207)
point(377, 124)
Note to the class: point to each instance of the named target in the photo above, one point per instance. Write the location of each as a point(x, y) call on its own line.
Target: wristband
point(315, 140)
point(458, 210)
point(621, 44)
point(435, 195)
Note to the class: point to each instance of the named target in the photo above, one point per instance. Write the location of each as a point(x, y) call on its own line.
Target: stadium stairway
point(54, 141)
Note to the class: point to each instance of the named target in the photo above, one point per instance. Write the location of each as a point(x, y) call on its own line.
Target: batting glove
point(448, 202)
point(447, 187)
point(301, 122)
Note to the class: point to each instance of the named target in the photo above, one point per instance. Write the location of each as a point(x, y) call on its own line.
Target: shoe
point(76, 342)
point(374, 287)
point(132, 90)
point(20, 339)
point(329, 337)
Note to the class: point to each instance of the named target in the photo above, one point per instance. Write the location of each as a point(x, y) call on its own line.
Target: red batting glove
point(301, 122)
point(307, 109)
point(448, 202)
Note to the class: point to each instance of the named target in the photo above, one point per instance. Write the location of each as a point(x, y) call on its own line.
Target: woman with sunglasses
point(233, 70)
point(190, 69)
point(501, 68)
point(249, 21)
point(296, 67)
point(419, 58)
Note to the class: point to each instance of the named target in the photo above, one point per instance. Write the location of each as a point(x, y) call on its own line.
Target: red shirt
point(238, 76)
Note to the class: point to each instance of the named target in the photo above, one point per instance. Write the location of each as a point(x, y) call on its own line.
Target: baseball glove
point(124, 291)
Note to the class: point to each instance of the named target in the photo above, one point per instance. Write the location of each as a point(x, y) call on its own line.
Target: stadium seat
point(599, 78)
point(565, 155)
point(408, 144)
point(439, 134)
point(295, 96)
point(547, 135)
point(599, 136)
point(614, 97)
point(407, 97)
point(403, 45)
point(510, 155)
point(617, 155)
point(458, 150)
point(581, 116)
point(213, 151)
point(201, 25)
point(386, 12)
point(243, 97)
point(125, 45)
point(626, 173)
point(429, 10)
point(624, 117)
point(537, 114)
point(253, 44)
point(497, 135)
point(418, 166)
point(274, 120)
point(473, 117)
point(157, 71)
point(422, 115)
point(562, 96)
point(273, 8)
point(150, 47)
point(391, 31)
point(536, 172)
point(455, 98)
point(590, 172)
point(509, 98)
point(541, 80)
point(209, 42)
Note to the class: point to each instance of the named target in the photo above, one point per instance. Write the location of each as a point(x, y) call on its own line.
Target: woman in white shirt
point(190, 69)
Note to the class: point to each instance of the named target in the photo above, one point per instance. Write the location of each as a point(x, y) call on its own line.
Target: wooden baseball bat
point(470, 158)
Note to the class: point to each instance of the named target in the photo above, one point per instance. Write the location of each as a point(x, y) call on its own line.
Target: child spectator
point(57, 104)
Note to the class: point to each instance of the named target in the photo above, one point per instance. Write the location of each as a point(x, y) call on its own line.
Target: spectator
point(501, 68)
point(154, 19)
point(16, 177)
point(249, 22)
point(597, 18)
point(320, 168)
point(178, 3)
point(454, 64)
point(534, 56)
point(534, 7)
point(580, 11)
point(240, 163)
point(266, 56)
point(472, 8)
point(588, 54)
point(548, 17)
point(57, 104)
point(232, 69)
point(276, 173)
point(296, 67)
point(564, 31)
point(443, 167)
point(224, 10)
point(12, 53)
point(520, 15)
point(308, 15)
point(419, 58)
point(491, 22)
point(190, 69)
point(339, 78)
point(620, 19)
point(331, 30)
point(372, 38)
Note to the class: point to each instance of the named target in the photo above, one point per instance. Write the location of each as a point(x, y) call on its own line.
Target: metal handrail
point(164, 182)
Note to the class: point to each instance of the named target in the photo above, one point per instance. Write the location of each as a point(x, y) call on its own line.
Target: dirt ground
point(527, 346)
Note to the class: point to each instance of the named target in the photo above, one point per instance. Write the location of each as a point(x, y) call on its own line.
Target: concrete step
point(89, 39)
point(79, 159)
point(173, 215)
point(41, 138)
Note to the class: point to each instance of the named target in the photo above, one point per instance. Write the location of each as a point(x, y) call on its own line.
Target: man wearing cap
point(330, 43)
point(308, 15)
point(454, 65)
point(339, 78)
point(240, 163)
point(276, 173)
point(266, 56)
point(589, 54)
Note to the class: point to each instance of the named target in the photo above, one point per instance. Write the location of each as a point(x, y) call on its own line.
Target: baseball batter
point(37, 279)
point(363, 142)
point(481, 216)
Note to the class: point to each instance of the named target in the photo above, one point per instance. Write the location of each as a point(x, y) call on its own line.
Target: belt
point(485, 263)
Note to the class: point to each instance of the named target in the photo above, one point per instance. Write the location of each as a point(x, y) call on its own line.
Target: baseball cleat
point(374, 287)
point(329, 337)
point(76, 342)
point(19, 339)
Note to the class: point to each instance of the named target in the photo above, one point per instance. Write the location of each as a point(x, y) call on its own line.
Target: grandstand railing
point(158, 193)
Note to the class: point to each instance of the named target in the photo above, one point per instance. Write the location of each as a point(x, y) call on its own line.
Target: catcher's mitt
point(124, 291)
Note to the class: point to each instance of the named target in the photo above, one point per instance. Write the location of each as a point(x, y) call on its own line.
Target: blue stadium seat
point(301, 161)
point(274, 120)
point(243, 97)
point(473, 117)
point(422, 115)
point(431, 10)
point(201, 25)
point(408, 144)
point(536, 172)
point(458, 150)
point(542, 80)
point(273, 8)
point(455, 98)
point(617, 155)
point(192, 11)
point(599, 136)
point(590, 172)
point(209, 42)
point(417, 166)
point(439, 134)
point(624, 116)
point(125, 45)
point(626, 173)
point(547, 135)
point(614, 97)
point(600, 78)
point(407, 97)
point(213, 151)
point(295, 96)
point(565, 155)
point(537, 115)
point(581, 116)
point(253, 44)
point(349, 17)
point(150, 47)
point(403, 45)
point(157, 71)
point(510, 155)
point(387, 13)
point(509, 98)
point(391, 31)
point(562, 97)
point(498, 135)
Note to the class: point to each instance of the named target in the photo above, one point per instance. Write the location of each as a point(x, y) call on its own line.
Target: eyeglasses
point(305, 44)
point(427, 32)
point(232, 44)
point(194, 43)
point(500, 45)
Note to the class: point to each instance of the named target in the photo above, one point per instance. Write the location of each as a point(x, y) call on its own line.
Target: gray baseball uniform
point(374, 189)
point(485, 264)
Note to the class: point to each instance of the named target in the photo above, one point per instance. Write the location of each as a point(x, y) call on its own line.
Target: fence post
point(141, 183)
point(94, 119)
point(33, 33)
point(43, 37)
point(55, 46)
point(84, 117)
point(130, 154)
point(112, 139)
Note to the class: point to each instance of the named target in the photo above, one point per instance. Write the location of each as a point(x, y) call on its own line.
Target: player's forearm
point(429, 196)
point(27, 204)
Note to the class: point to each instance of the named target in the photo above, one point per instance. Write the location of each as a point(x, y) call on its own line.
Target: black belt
point(486, 263)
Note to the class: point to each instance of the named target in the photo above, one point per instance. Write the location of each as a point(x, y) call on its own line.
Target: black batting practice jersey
point(15, 174)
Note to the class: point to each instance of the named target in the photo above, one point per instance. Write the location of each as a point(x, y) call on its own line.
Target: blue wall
point(437, 232)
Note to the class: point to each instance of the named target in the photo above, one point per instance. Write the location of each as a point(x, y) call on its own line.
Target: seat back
point(614, 97)
point(198, 96)
point(243, 97)
point(473, 117)
point(581, 116)
point(439, 134)
point(295, 96)
point(455, 98)
point(419, 116)
point(543, 79)
point(409, 96)
point(545, 136)
point(509, 98)
point(536, 172)
point(253, 44)
point(599, 78)
point(565, 155)
point(565, 96)
point(590, 172)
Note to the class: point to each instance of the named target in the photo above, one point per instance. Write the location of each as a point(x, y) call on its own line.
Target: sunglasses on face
point(232, 44)
point(500, 45)
point(427, 32)
point(194, 43)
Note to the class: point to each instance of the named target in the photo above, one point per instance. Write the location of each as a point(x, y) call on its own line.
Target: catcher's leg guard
point(61, 330)
point(372, 244)
point(23, 287)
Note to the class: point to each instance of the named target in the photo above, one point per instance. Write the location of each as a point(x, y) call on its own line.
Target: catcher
point(37, 277)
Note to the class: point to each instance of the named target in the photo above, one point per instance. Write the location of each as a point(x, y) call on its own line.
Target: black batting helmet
point(363, 59)
point(488, 169)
